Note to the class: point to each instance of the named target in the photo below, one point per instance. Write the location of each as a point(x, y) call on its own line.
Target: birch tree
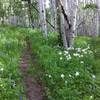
point(67, 31)
point(63, 26)
point(42, 16)
point(53, 10)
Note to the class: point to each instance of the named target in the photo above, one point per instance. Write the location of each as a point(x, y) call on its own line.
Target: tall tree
point(53, 7)
point(67, 29)
point(42, 16)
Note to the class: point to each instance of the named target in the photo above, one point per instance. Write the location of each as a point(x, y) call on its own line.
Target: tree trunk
point(42, 16)
point(31, 20)
point(67, 26)
point(53, 14)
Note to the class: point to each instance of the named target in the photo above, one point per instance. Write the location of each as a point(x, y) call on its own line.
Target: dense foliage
point(11, 44)
point(61, 56)
point(69, 74)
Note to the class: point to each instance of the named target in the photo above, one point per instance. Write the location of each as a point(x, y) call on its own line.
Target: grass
point(11, 45)
point(71, 74)
point(66, 79)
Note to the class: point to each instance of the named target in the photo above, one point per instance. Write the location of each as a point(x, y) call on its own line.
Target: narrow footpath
point(33, 88)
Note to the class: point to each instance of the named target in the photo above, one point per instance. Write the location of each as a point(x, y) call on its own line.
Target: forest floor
point(33, 86)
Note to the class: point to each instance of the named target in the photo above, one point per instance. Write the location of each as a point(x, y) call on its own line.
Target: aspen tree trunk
point(63, 25)
point(53, 14)
point(67, 26)
point(58, 17)
point(42, 16)
point(97, 20)
point(98, 17)
point(63, 33)
point(75, 17)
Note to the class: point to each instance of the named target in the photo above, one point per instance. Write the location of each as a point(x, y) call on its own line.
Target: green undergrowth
point(68, 74)
point(71, 74)
point(11, 44)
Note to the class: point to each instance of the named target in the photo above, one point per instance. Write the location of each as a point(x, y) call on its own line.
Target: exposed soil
point(32, 84)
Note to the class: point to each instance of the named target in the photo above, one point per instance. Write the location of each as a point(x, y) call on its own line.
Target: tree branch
point(46, 19)
point(65, 15)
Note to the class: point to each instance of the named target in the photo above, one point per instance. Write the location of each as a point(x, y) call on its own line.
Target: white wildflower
point(61, 58)
point(60, 53)
point(62, 75)
point(93, 76)
point(49, 76)
point(1, 69)
point(81, 56)
point(91, 97)
point(84, 50)
point(82, 62)
point(14, 85)
point(78, 49)
point(70, 75)
point(76, 55)
point(66, 52)
point(69, 57)
point(77, 74)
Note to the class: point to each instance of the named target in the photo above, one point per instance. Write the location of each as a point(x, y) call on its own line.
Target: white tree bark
point(63, 32)
point(42, 16)
point(66, 25)
point(75, 17)
point(98, 16)
point(53, 14)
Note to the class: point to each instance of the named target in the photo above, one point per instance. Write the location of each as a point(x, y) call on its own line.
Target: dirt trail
point(34, 90)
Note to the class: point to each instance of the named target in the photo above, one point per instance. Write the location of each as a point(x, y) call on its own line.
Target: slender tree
point(42, 16)
point(53, 7)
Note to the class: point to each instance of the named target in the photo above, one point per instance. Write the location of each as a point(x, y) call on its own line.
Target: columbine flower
point(82, 62)
point(60, 53)
point(14, 85)
point(78, 49)
point(68, 57)
point(70, 75)
point(91, 97)
point(93, 76)
point(76, 55)
point(61, 58)
point(1, 69)
point(77, 74)
point(49, 76)
point(62, 75)
point(66, 52)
